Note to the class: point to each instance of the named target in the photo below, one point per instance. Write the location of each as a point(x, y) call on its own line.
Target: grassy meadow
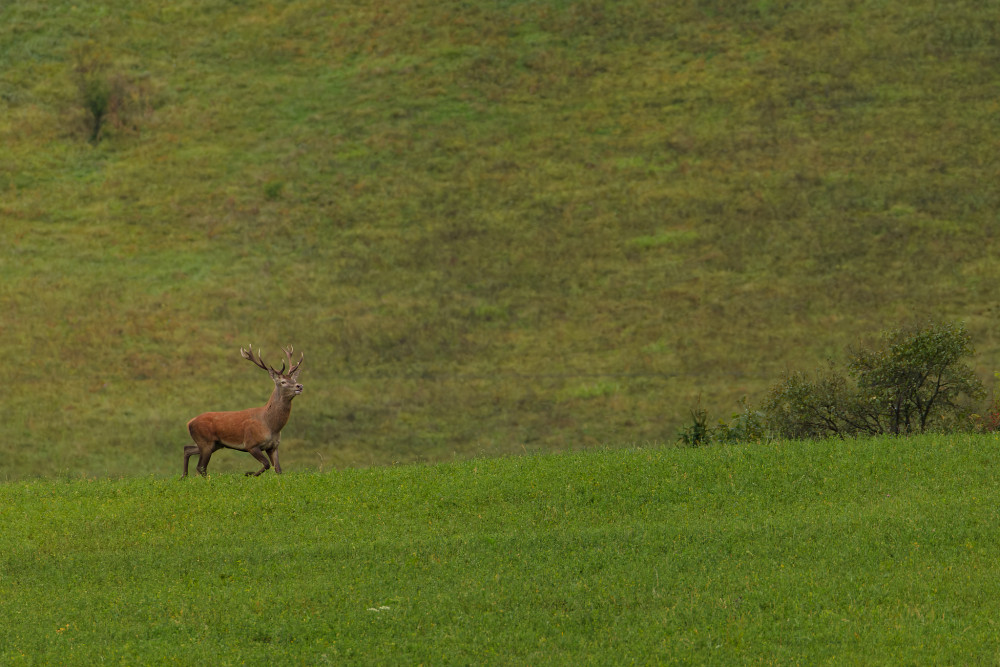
point(491, 227)
point(835, 552)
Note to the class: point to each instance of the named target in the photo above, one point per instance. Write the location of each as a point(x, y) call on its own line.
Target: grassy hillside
point(856, 552)
point(490, 227)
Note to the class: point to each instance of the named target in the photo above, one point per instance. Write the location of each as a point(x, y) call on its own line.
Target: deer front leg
point(259, 455)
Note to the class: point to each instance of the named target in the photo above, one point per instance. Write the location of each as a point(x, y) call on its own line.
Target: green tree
point(914, 376)
point(913, 381)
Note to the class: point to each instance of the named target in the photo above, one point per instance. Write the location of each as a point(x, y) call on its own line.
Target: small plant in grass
point(698, 432)
point(747, 425)
point(109, 96)
point(273, 190)
point(90, 73)
point(989, 421)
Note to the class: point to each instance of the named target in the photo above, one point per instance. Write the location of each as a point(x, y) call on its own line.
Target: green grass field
point(843, 552)
point(492, 227)
point(516, 242)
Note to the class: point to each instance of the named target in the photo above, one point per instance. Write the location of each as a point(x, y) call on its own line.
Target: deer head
point(286, 383)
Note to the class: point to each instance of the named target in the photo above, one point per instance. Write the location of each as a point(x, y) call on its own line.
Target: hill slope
point(490, 228)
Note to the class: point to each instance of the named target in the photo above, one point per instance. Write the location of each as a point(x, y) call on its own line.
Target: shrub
point(747, 425)
point(698, 432)
point(803, 407)
point(108, 95)
point(913, 381)
point(989, 420)
point(916, 377)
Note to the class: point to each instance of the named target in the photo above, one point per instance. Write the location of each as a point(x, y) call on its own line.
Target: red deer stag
point(256, 430)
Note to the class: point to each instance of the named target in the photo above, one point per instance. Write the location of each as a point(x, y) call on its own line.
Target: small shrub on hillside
point(698, 432)
point(747, 425)
point(800, 406)
point(989, 420)
point(273, 190)
point(109, 96)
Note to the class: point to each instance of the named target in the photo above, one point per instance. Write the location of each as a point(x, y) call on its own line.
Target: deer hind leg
point(204, 456)
point(204, 453)
point(273, 455)
point(189, 451)
point(259, 455)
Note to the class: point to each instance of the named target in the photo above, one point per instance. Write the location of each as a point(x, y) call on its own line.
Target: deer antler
point(258, 361)
point(293, 370)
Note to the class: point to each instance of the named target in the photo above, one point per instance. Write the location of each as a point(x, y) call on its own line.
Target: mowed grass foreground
point(874, 551)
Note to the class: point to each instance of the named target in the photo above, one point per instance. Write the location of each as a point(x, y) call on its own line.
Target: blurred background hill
point(491, 227)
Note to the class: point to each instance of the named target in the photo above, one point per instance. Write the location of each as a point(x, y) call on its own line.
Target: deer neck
point(277, 410)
